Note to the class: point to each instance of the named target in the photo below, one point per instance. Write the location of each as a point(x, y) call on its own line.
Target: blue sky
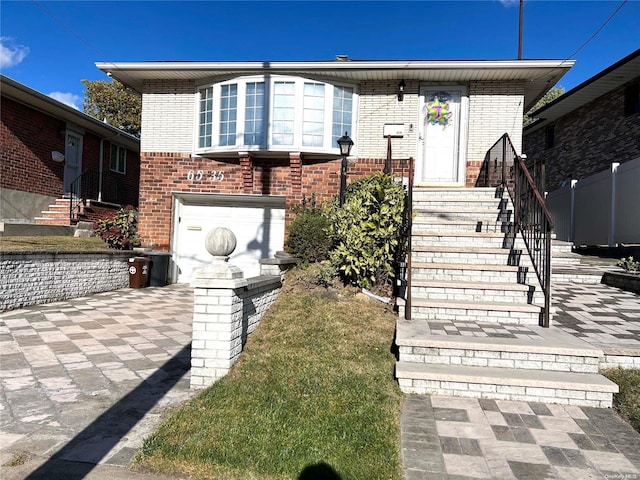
point(52, 45)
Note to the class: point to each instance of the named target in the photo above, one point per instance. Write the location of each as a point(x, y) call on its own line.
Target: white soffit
point(537, 75)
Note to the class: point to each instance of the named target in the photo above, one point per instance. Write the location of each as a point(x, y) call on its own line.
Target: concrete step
point(540, 349)
point(466, 254)
point(462, 203)
point(52, 221)
point(420, 193)
point(568, 388)
point(476, 292)
point(452, 214)
point(425, 224)
point(481, 311)
point(462, 272)
point(422, 238)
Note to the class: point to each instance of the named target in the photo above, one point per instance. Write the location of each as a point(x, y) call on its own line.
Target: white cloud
point(10, 53)
point(510, 3)
point(67, 98)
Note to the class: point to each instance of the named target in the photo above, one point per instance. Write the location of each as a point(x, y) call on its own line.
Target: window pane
point(206, 117)
point(283, 113)
point(228, 112)
point(342, 112)
point(313, 115)
point(253, 114)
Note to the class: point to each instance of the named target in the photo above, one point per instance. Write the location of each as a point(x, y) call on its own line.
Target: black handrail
point(87, 187)
point(504, 168)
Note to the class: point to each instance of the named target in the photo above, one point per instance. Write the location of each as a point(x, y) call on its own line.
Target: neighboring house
point(590, 127)
point(50, 150)
point(237, 144)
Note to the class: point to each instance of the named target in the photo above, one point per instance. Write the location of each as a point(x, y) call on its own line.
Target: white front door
point(72, 161)
point(441, 115)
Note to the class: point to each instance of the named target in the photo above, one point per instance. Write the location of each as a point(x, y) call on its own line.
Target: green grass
point(51, 244)
point(314, 385)
point(627, 402)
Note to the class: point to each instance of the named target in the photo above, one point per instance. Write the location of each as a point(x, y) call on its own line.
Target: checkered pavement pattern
point(481, 329)
point(64, 362)
point(601, 315)
point(460, 438)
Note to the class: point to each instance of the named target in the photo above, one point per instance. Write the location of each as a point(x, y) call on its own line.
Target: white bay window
point(280, 113)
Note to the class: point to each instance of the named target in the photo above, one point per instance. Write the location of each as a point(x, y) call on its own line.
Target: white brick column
point(218, 312)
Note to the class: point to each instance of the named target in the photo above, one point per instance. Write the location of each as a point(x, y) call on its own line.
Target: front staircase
point(476, 307)
point(62, 213)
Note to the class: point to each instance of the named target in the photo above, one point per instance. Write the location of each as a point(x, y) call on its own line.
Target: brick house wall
point(27, 139)
point(587, 140)
point(495, 108)
point(168, 122)
point(30, 179)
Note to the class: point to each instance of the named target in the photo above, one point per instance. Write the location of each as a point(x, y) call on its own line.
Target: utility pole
point(520, 30)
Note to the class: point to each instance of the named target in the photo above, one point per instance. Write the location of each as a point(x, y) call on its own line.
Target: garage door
point(256, 220)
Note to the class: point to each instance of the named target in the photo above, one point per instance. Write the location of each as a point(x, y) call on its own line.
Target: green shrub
point(308, 240)
point(629, 265)
point(119, 230)
point(369, 231)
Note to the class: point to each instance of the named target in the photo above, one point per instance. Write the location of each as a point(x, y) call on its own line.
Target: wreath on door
point(437, 110)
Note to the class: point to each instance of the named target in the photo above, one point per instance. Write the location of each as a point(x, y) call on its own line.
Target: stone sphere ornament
point(220, 242)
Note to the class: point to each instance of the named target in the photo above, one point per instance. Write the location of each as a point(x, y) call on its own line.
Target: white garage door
point(256, 220)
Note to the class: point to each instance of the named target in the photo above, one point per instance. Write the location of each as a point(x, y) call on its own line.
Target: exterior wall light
point(401, 86)
point(345, 144)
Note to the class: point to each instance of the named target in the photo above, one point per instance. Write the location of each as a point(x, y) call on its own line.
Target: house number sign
point(200, 175)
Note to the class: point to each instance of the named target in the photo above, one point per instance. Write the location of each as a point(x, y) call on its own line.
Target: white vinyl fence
point(603, 209)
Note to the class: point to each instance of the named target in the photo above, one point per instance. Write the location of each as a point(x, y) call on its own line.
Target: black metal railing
point(504, 169)
point(87, 187)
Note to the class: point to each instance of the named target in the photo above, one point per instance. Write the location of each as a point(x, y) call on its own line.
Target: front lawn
point(314, 386)
point(627, 402)
point(51, 244)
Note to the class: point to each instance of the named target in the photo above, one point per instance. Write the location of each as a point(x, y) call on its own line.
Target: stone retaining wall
point(30, 278)
point(623, 281)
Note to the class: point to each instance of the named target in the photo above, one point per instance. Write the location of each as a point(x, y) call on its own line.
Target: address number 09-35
point(199, 175)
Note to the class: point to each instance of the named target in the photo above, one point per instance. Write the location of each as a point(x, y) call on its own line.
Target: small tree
point(368, 231)
point(119, 105)
point(548, 97)
point(308, 240)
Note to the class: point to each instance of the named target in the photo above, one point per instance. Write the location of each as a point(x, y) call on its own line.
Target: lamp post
point(345, 144)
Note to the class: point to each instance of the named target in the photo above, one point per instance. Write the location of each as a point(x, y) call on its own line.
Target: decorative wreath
point(437, 110)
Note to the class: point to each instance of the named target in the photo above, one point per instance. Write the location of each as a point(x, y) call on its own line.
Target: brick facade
point(587, 140)
point(27, 139)
point(28, 136)
point(169, 120)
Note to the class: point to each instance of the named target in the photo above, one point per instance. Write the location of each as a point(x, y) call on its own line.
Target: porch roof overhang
point(538, 76)
point(43, 103)
point(600, 84)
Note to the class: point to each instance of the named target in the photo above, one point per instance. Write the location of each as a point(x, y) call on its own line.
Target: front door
point(441, 123)
point(72, 161)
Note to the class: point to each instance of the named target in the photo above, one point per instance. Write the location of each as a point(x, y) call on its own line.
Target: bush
point(629, 265)
point(370, 231)
point(308, 240)
point(119, 230)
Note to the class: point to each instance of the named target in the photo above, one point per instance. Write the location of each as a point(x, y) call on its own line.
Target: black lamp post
point(345, 147)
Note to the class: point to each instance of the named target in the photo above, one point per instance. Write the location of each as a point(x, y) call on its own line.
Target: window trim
point(124, 163)
point(269, 92)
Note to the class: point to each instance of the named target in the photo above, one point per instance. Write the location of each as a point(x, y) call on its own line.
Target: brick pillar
point(246, 163)
point(295, 189)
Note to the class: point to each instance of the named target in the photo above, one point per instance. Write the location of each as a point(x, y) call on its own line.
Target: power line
point(599, 29)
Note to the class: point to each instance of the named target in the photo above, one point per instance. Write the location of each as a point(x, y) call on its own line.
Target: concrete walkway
point(460, 438)
point(84, 381)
